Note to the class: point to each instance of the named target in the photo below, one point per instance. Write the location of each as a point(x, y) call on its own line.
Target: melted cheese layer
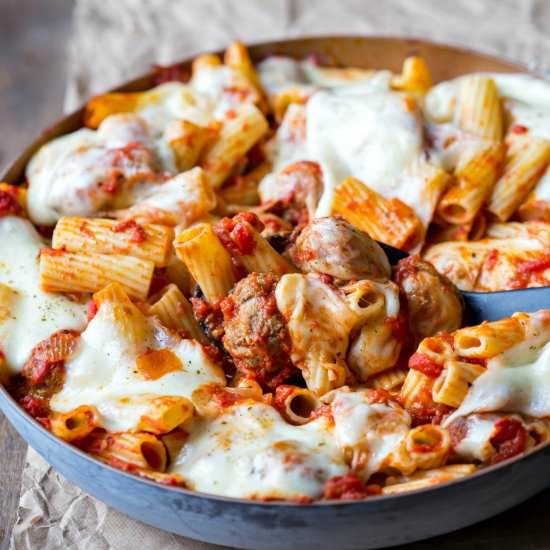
point(103, 373)
point(376, 428)
point(34, 314)
point(517, 380)
point(251, 452)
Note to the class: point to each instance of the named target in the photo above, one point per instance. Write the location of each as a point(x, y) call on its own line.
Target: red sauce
point(448, 337)
point(282, 393)
point(47, 251)
point(349, 487)
point(243, 239)
point(473, 360)
point(534, 266)
point(326, 278)
point(49, 354)
point(37, 407)
point(406, 268)
point(458, 430)
point(113, 182)
point(398, 326)
point(378, 396)
point(136, 231)
point(421, 362)
point(85, 230)
point(9, 206)
point(427, 413)
point(227, 306)
point(509, 439)
point(201, 307)
point(491, 260)
point(92, 310)
point(225, 398)
point(526, 269)
point(235, 234)
point(518, 129)
point(323, 410)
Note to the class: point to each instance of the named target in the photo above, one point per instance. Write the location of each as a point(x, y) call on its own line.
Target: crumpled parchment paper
point(115, 41)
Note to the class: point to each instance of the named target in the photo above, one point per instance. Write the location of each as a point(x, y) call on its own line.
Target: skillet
point(373, 523)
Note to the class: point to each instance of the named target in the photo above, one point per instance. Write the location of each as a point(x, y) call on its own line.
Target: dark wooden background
point(33, 35)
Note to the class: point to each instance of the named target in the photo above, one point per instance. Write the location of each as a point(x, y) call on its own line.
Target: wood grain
point(33, 36)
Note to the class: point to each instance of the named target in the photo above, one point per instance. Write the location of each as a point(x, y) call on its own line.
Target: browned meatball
point(337, 248)
point(434, 302)
point(256, 335)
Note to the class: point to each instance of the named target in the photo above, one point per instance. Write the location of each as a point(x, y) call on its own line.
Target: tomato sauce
point(509, 439)
point(421, 362)
point(349, 487)
point(235, 234)
point(9, 206)
point(136, 231)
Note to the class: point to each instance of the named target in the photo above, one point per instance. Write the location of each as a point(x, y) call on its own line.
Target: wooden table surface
point(33, 36)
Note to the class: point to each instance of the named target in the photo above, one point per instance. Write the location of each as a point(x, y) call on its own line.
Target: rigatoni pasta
point(392, 222)
point(62, 271)
point(207, 260)
point(241, 129)
point(149, 242)
point(524, 165)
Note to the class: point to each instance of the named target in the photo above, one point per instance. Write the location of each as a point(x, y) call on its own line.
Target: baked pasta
point(191, 287)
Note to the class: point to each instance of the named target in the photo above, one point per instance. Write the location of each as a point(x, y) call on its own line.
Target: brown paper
point(115, 41)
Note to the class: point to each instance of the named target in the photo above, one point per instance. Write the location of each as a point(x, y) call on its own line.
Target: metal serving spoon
point(490, 306)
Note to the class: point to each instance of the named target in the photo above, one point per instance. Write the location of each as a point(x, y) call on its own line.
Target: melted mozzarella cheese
point(476, 444)
point(278, 72)
point(66, 174)
point(526, 97)
point(173, 101)
point(44, 164)
point(517, 380)
point(464, 263)
point(355, 126)
point(319, 320)
point(34, 314)
point(366, 134)
point(103, 373)
point(376, 428)
point(251, 452)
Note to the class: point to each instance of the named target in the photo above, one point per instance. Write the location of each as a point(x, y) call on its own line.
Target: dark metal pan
point(372, 523)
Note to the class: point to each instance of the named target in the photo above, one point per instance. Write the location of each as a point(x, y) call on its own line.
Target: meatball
point(434, 303)
point(256, 336)
point(337, 248)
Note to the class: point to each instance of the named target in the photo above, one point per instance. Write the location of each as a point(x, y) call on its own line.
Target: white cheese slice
point(34, 314)
point(376, 428)
point(251, 452)
point(368, 134)
point(103, 373)
point(517, 380)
